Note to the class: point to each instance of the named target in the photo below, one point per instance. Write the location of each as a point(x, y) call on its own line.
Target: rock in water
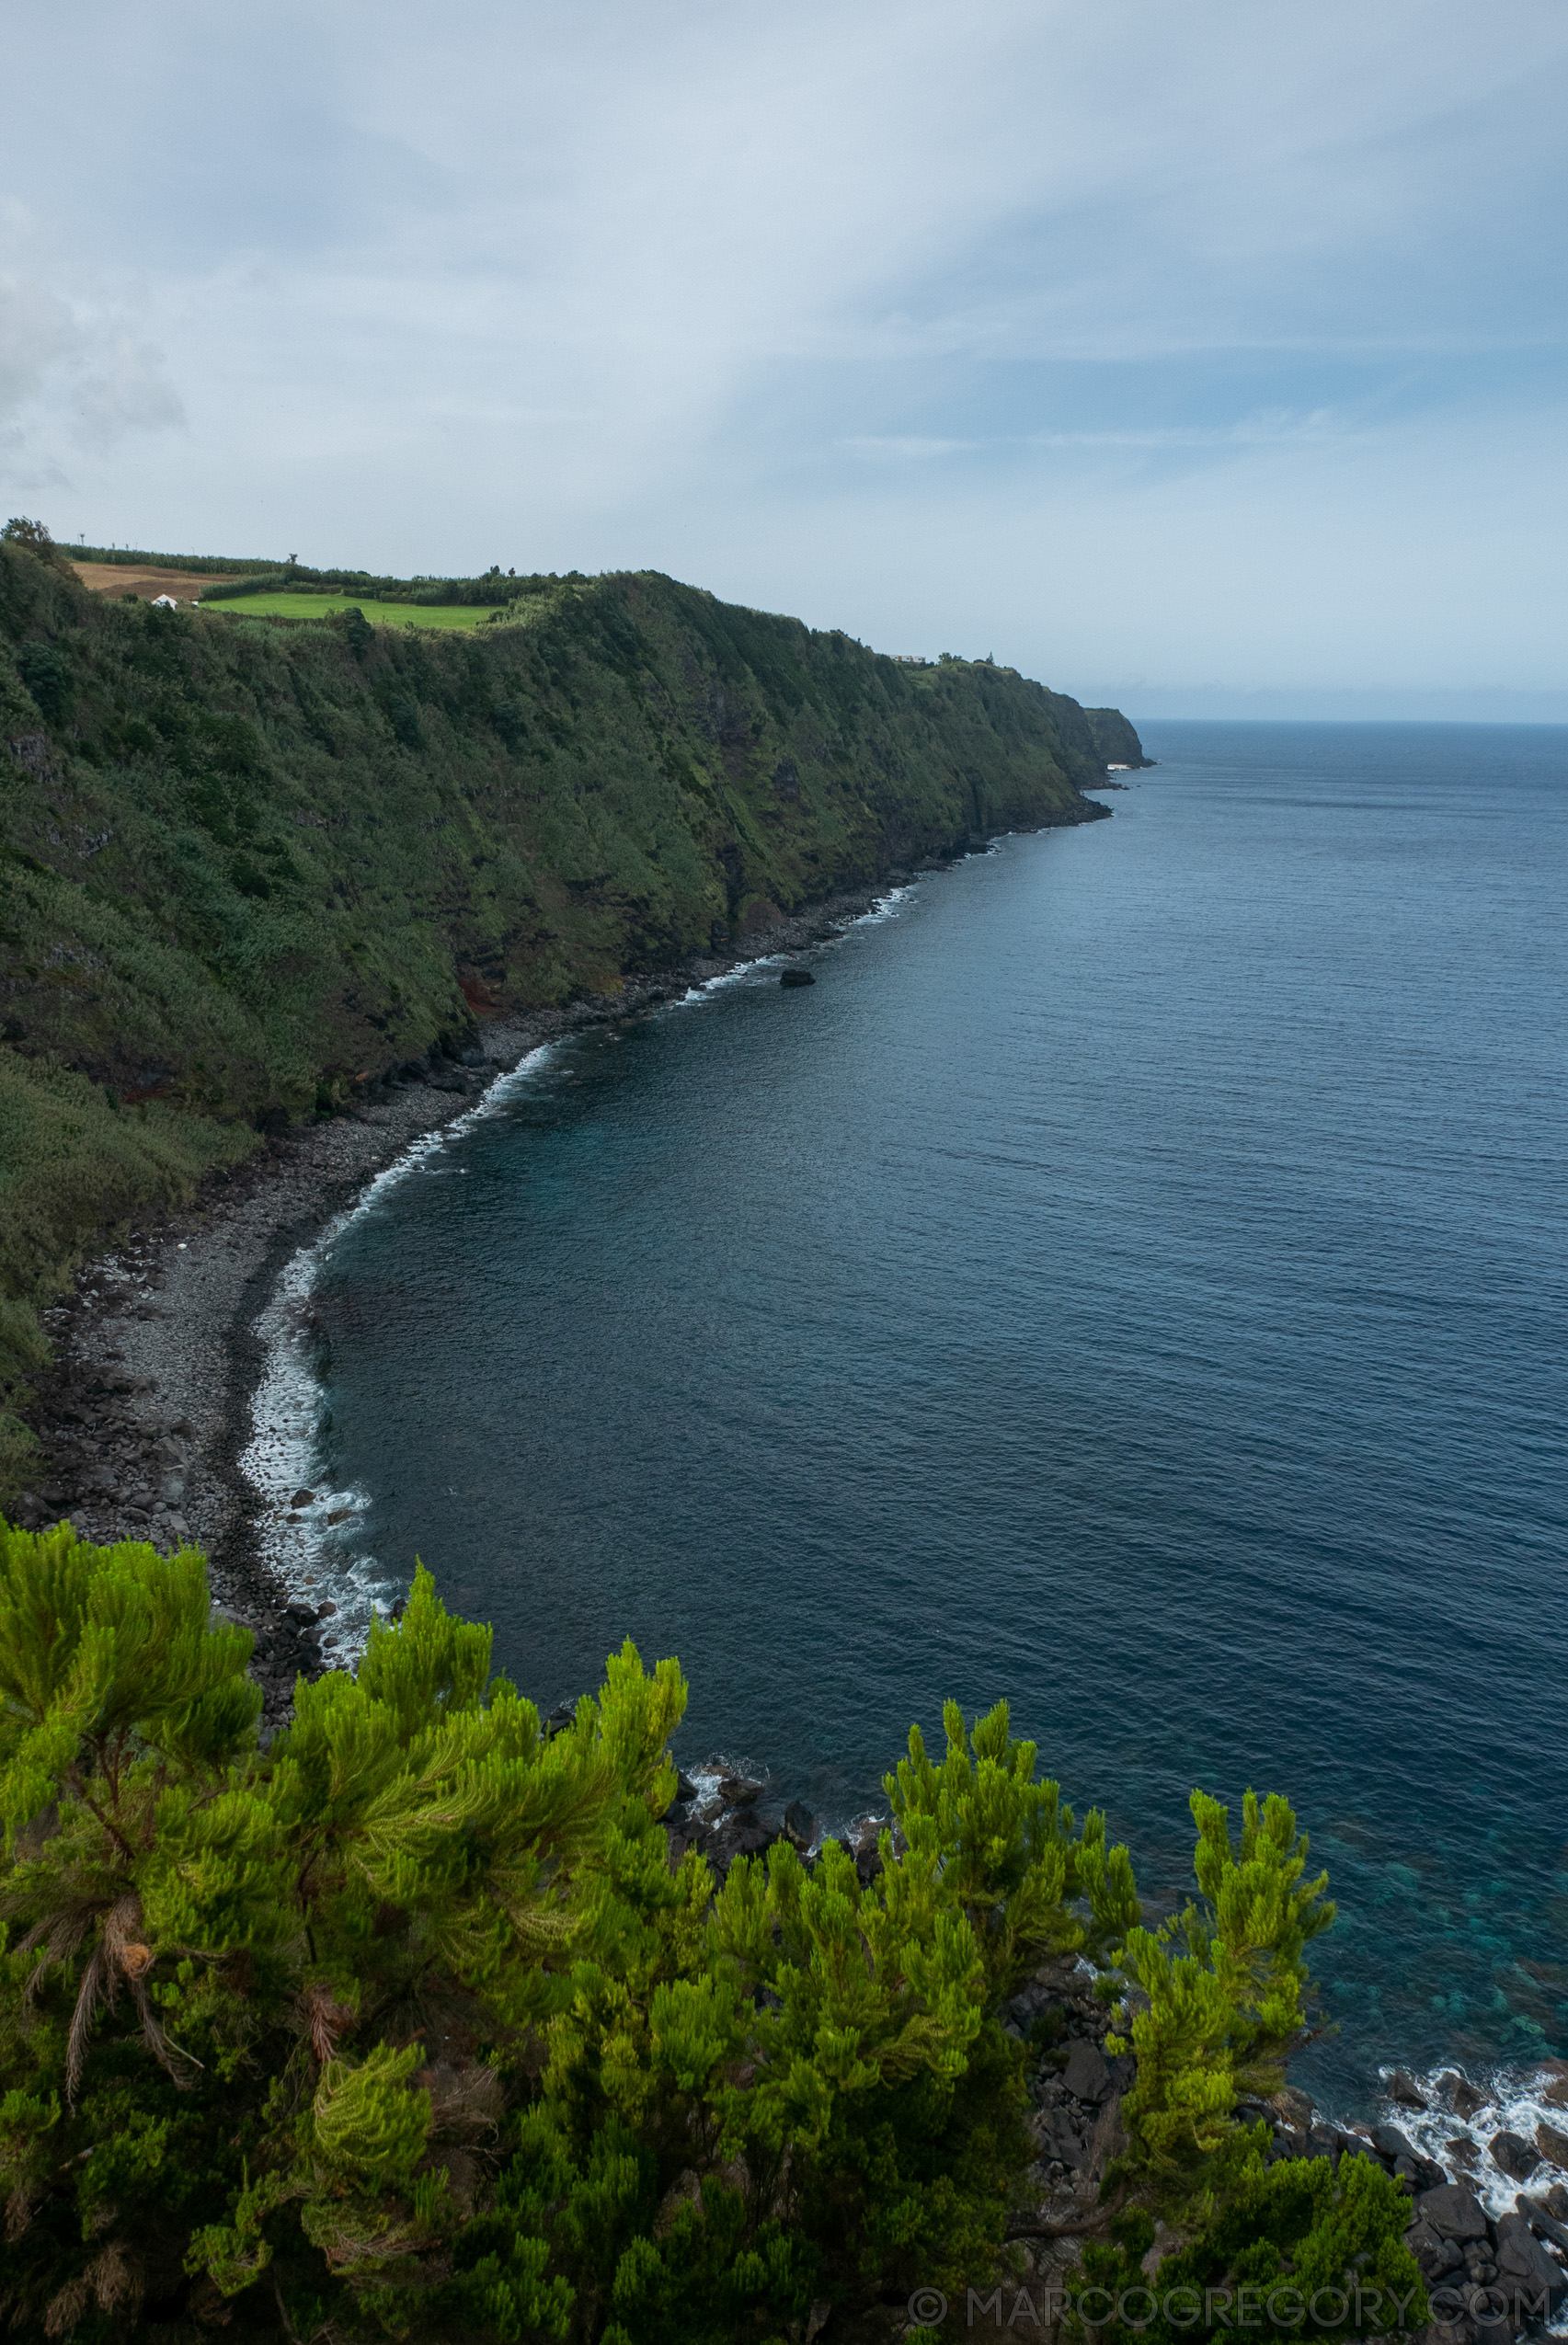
point(797, 976)
point(1517, 2157)
point(1465, 2098)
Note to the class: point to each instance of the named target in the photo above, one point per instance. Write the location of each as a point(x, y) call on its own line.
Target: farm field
point(381, 615)
point(120, 579)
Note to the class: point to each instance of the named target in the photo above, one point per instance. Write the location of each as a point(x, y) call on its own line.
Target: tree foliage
point(405, 2026)
point(1298, 2240)
point(1218, 1996)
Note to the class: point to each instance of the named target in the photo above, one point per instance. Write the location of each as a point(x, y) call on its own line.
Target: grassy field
point(380, 614)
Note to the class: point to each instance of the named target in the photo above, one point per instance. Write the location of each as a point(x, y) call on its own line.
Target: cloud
point(759, 292)
point(74, 374)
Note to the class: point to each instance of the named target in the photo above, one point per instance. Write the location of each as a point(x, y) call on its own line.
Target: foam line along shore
point(165, 1343)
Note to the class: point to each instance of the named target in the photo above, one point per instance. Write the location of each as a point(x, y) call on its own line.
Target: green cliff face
point(1115, 739)
point(247, 862)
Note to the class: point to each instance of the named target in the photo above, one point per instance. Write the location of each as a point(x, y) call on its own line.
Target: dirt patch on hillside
point(113, 578)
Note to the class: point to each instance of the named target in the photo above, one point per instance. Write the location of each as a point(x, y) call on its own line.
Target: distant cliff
point(247, 862)
point(1113, 737)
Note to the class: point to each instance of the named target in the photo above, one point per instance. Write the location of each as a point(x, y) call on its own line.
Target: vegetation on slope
point(289, 603)
point(245, 866)
point(1114, 738)
point(406, 2027)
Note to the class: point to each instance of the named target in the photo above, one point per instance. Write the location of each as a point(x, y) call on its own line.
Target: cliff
point(1114, 738)
point(249, 864)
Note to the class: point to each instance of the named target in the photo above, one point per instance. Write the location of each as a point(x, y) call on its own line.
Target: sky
point(1204, 360)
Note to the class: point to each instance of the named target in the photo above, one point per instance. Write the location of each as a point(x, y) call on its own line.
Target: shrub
point(1300, 2238)
point(405, 2026)
point(1219, 1998)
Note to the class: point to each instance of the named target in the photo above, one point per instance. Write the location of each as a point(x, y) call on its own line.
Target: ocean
point(1131, 1282)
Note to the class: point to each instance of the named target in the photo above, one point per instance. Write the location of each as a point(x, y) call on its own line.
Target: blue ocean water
point(1131, 1281)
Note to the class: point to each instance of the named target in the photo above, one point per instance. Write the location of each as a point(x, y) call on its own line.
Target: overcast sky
point(1205, 356)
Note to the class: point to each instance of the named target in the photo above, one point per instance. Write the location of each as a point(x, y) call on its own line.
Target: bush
point(1219, 2000)
point(405, 2026)
point(1299, 2238)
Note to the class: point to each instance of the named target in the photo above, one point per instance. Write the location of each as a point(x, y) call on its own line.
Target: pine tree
point(406, 2026)
point(1219, 1996)
point(327, 1950)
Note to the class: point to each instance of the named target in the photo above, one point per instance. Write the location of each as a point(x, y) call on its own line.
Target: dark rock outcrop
point(1517, 2157)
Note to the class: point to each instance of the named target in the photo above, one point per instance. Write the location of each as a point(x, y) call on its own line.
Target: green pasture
point(380, 614)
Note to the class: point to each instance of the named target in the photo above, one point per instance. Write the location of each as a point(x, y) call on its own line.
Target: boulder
point(1453, 2211)
point(1465, 2099)
point(1542, 2222)
point(739, 1790)
point(1517, 2157)
point(1524, 2264)
point(1403, 2088)
point(743, 1836)
point(800, 1824)
point(867, 1852)
point(1391, 2144)
point(1435, 2254)
point(796, 976)
point(1086, 2075)
point(1110, 2138)
point(303, 1498)
point(1060, 2138)
point(1552, 2143)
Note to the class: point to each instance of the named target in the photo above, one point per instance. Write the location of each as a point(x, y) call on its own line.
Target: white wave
point(1514, 2101)
point(885, 905)
point(312, 1558)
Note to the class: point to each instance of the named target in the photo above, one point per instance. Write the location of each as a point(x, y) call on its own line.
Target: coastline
point(147, 1409)
point(172, 1315)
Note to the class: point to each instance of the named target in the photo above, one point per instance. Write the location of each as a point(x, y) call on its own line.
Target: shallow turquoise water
point(1132, 1280)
